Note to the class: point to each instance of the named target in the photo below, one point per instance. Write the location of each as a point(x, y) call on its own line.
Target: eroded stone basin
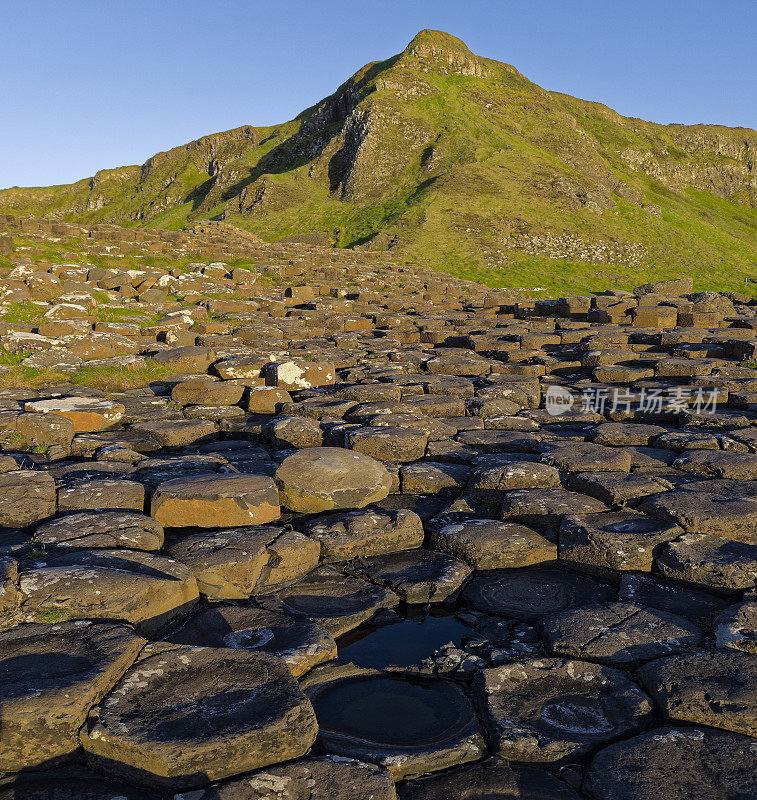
point(411, 727)
point(388, 710)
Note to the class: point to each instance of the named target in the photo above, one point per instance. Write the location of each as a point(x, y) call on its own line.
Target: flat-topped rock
point(720, 464)
point(178, 432)
point(717, 688)
point(545, 508)
point(90, 493)
point(26, 497)
point(607, 544)
point(42, 431)
point(86, 413)
point(247, 708)
point(50, 677)
point(388, 443)
point(719, 514)
point(324, 778)
point(552, 709)
point(353, 534)
point(491, 779)
point(489, 483)
point(529, 594)
point(618, 488)
point(207, 393)
point(655, 591)
point(302, 644)
point(589, 457)
point(673, 762)
point(417, 576)
point(736, 627)
point(72, 782)
point(710, 561)
point(186, 359)
point(336, 601)
point(213, 501)
point(151, 592)
point(236, 563)
point(296, 374)
point(489, 544)
point(328, 478)
point(106, 529)
point(618, 634)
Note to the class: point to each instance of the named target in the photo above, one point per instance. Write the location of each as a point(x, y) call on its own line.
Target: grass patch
point(106, 379)
point(121, 379)
point(24, 313)
point(51, 615)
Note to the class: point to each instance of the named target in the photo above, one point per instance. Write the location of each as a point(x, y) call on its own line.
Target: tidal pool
point(402, 643)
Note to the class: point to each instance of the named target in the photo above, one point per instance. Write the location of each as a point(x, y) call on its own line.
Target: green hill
point(458, 161)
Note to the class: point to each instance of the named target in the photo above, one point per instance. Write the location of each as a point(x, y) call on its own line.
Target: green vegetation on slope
point(460, 162)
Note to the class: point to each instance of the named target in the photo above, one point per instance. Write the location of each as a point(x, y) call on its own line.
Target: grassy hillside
point(460, 162)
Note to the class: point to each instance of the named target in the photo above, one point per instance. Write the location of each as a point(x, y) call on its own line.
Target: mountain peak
point(437, 49)
point(436, 42)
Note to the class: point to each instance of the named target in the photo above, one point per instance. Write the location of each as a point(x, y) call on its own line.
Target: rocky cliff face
point(443, 154)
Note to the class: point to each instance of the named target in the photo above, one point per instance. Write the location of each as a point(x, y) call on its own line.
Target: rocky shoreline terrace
point(283, 521)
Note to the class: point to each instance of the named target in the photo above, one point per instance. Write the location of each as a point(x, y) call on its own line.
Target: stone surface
point(328, 478)
point(212, 501)
point(545, 508)
point(43, 430)
point(710, 561)
point(207, 393)
point(736, 628)
point(302, 644)
point(489, 544)
point(178, 432)
point(673, 762)
point(50, 676)
point(151, 592)
point(183, 716)
point(353, 534)
point(727, 516)
point(86, 413)
point(336, 601)
point(325, 778)
point(717, 688)
point(388, 444)
point(235, 563)
point(617, 488)
point(551, 709)
point(417, 576)
point(657, 592)
point(106, 529)
point(618, 634)
point(491, 779)
point(26, 497)
point(618, 542)
point(101, 494)
point(530, 594)
point(69, 782)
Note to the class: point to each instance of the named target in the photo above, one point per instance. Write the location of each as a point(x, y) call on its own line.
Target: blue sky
point(91, 84)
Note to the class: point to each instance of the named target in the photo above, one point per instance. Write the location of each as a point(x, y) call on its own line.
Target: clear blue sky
point(91, 84)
